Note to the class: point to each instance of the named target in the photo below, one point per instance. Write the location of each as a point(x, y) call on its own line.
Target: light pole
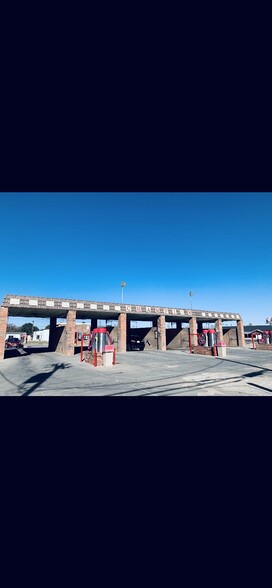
point(123, 284)
point(191, 294)
point(32, 329)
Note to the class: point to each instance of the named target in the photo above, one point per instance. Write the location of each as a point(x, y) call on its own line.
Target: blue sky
point(163, 246)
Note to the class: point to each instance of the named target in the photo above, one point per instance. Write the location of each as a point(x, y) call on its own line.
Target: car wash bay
point(156, 337)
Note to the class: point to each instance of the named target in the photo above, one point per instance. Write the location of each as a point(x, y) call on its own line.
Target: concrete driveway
point(243, 372)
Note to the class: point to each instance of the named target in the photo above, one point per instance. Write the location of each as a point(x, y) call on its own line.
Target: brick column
point(193, 329)
point(66, 344)
point(161, 333)
point(70, 332)
point(122, 333)
point(52, 334)
point(3, 330)
point(219, 330)
point(240, 333)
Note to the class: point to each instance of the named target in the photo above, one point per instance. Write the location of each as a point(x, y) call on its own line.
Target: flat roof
point(44, 307)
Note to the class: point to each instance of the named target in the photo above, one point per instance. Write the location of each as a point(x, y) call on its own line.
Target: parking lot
point(34, 372)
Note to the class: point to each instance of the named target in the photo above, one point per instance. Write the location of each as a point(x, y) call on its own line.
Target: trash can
point(221, 349)
point(108, 355)
point(108, 359)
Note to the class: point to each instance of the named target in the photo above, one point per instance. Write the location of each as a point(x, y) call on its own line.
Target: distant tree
point(28, 328)
point(13, 328)
point(47, 327)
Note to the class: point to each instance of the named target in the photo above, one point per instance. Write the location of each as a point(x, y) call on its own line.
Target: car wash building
point(185, 324)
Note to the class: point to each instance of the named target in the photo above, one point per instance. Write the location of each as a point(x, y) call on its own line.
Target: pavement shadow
point(78, 349)
point(212, 382)
point(264, 369)
point(9, 353)
point(261, 387)
point(189, 385)
point(35, 381)
point(177, 387)
point(165, 378)
point(30, 350)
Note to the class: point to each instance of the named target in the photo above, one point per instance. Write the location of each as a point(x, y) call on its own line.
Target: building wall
point(177, 338)
point(148, 335)
point(18, 335)
point(56, 335)
point(41, 335)
point(62, 337)
point(230, 337)
point(113, 331)
point(145, 334)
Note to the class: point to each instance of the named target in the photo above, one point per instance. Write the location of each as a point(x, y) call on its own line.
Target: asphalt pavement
point(244, 372)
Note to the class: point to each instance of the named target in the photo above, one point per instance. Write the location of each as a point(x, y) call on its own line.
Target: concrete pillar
point(161, 333)
point(193, 330)
point(122, 333)
point(240, 333)
point(219, 330)
point(52, 334)
point(3, 330)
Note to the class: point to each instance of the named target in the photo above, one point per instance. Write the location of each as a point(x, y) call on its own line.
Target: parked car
point(135, 344)
point(13, 342)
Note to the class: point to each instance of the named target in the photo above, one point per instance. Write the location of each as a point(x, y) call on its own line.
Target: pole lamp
point(123, 284)
point(191, 294)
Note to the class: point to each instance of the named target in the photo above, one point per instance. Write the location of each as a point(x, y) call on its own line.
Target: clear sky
point(163, 245)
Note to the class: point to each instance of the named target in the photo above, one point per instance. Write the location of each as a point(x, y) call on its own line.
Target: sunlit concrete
point(244, 372)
